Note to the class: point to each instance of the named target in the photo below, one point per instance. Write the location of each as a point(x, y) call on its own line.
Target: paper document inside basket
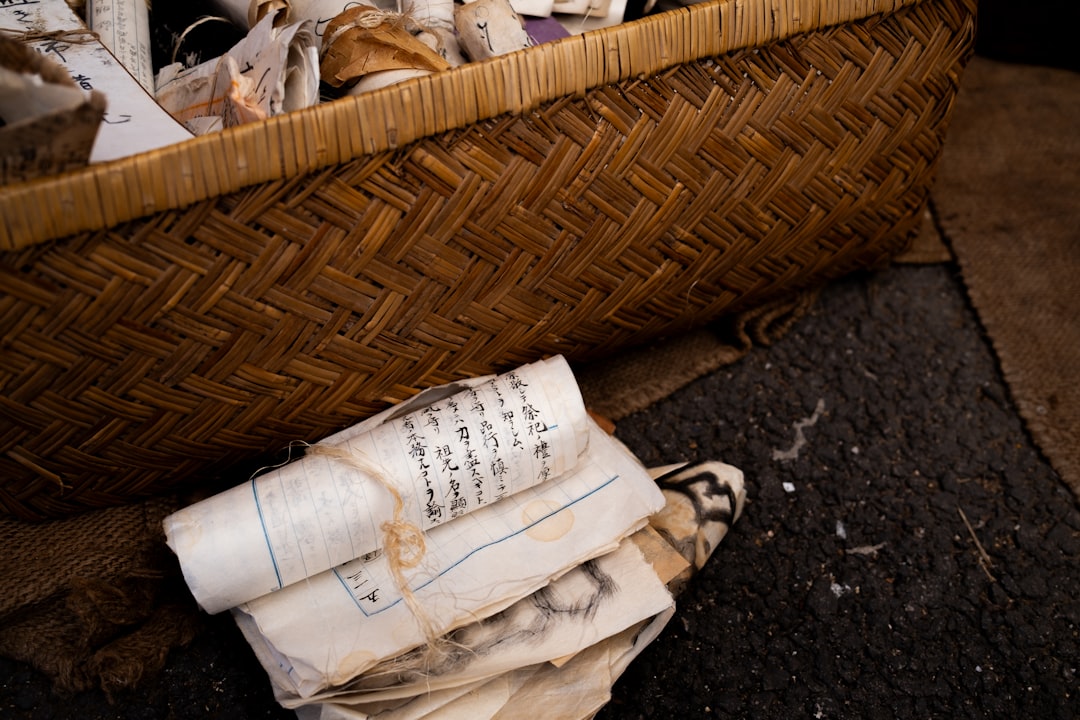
point(446, 458)
point(272, 70)
point(133, 122)
point(327, 630)
point(123, 26)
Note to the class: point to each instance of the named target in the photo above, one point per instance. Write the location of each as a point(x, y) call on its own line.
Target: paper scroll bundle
point(480, 549)
point(291, 53)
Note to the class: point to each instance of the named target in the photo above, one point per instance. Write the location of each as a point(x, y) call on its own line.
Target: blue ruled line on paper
point(474, 550)
point(266, 535)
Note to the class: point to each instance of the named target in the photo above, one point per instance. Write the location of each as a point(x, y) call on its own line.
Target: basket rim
point(305, 141)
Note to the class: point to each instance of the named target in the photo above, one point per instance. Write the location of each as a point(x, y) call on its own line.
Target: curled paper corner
point(702, 501)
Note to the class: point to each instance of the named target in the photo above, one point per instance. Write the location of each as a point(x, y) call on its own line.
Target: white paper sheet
point(465, 452)
point(330, 628)
point(133, 122)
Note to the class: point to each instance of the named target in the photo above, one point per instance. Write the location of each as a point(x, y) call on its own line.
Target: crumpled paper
point(270, 72)
point(364, 40)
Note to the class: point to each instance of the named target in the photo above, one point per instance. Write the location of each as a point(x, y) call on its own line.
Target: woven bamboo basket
point(171, 316)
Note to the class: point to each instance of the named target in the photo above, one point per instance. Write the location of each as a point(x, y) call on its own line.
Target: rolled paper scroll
point(124, 27)
point(334, 626)
point(487, 28)
point(444, 460)
point(365, 40)
point(248, 13)
point(443, 42)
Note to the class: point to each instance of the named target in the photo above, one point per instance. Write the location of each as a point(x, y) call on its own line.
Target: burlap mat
point(92, 601)
point(927, 247)
point(1008, 201)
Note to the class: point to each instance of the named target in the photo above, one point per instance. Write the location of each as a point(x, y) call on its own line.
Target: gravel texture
point(905, 552)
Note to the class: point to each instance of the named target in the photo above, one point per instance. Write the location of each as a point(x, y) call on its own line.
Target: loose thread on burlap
point(403, 542)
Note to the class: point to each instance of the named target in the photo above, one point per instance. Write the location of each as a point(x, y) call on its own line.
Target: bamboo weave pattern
point(161, 350)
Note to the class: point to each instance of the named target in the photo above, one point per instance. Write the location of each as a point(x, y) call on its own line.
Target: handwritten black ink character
point(434, 512)
point(56, 48)
point(542, 450)
point(443, 453)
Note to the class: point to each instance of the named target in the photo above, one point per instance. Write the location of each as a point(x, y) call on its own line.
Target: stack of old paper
point(532, 565)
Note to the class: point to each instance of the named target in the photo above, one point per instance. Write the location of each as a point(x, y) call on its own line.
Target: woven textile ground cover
point(1019, 255)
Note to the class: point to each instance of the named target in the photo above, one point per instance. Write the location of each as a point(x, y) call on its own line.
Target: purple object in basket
point(543, 30)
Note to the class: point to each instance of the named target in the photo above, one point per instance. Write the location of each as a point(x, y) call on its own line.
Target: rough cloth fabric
point(93, 600)
point(1008, 200)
